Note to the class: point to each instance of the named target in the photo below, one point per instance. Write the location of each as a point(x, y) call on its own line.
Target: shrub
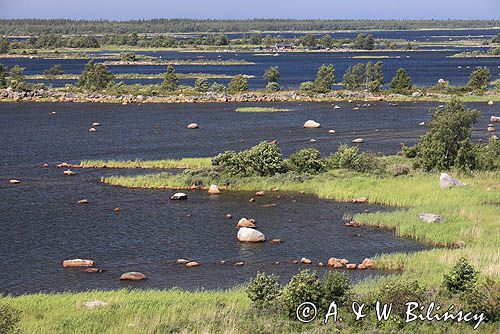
point(95, 76)
point(217, 88)
point(461, 278)
point(170, 82)
point(264, 159)
point(484, 297)
point(128, 56)
point(349, 158)
point(264, 291)
point(273, 87)
point(201, 85)
point(303, 287)
point(272, 74)
point(238, 84)
point(401, 83)
point(306, 87)
point(466, 157)
point(479, 79)
point(398, 293)
point(9, 319)
point(401, 170)
point(307, 160)
point(487, 156)
point(449, 127)
point(335, 287)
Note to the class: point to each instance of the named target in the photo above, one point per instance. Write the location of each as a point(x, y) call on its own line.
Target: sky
point(236, 9)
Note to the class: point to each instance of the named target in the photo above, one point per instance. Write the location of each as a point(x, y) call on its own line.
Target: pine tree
point(325, 78)
point(353, 77)
point(401, 83)
point(201, 85)
point(170, 82)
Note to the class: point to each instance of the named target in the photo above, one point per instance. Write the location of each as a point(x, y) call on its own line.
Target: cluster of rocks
point(87, 266)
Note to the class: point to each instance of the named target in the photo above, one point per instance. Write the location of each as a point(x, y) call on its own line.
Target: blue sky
point(327, 9)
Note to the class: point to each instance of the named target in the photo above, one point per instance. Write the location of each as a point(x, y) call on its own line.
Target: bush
point(128, 56)
point(449, 127)
point(264, 159)
point(273, 87)
point(170, 82)
point(486, 156)
point(349, 158)
point(306, 87)
point(9, 319)
point(335, 287)
point(466, 157)
point(398, 293)
point(401, 83)
point(479, 79)
point(264, 291)
point(303, 287)
point(201, 85)
point(238, 84)
point(401, 170)
point(307, 160)
point(95, 77)
point(462, 277)
point(484, 297)
point(217, 88)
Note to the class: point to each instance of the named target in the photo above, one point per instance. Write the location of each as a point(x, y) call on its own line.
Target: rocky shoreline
point(57, 95)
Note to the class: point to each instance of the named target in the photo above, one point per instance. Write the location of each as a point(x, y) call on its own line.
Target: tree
point(16, 77)
point(238, 84)
point(401, 83)
point(374, 77)
point(95, 76)
point(201, 85)
point(309, 40)
point(496, 39)
point(255, 39)
point(128, 56)
point(449, 127)
point(272, 87)
point(272, 74)
point(4, 45)
point(3, 76)
point(170, 82)
point(479, 78)
point(326, 41)
point(53, 71)
point(221, 39)
point(364, 42)
point(325, 78)
point(353, 77)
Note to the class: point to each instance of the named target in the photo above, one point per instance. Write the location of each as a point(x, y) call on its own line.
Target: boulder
point(78, 263)
point(239, 263)
point(243, 222)
point(495, 119)
point(132, 276)
point(446, 182)
point(213, 190)
point(117, 209)
point(344, 261)
point(95, 304)
point(421, 123)
point(275, 241)
point(359, 200)
point(416, 94)
point(83, 201)
point(14, 181)
point(358, 141)
point(260, 193)
point(178, 196)
point(350, 266)
point(229, 216)
point(192, 264)
point(192, 126)
point(490, 129)
point(45, 166)
point(312, 140)
point(305, 260)
point(334, 262)
point(361, 267)
point(246, 234)
point(96, 124)
point(490, 103)
point(331, 131)
point(182, 261)
point(310, 124)
point(430, 218)
point(336, 107)
point(251, 200)
point(69, 172)
point(92, 130)
point(368, 263)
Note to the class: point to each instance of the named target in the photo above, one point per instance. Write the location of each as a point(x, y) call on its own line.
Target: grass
point(471, 214)
point(261, 109)
point(159, 164)
point(138, 76)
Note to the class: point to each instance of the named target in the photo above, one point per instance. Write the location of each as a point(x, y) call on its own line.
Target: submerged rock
point(178, 196)
point(132, 276)
point(69, 172)
point(305, 260)
point(430, 218)
point(192, 264)
point(246, 234)
point(446, 182)
point(83, 201)
point(93, 270)
point(182, 261)
point(78, 263)
point(310, 124)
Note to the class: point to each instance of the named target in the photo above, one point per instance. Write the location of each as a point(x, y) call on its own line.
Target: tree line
point(77, 27)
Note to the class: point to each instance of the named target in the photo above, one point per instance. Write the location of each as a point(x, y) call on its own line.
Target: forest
point(71, 27)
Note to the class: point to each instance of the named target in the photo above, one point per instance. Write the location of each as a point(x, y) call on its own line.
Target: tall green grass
point(159, 164)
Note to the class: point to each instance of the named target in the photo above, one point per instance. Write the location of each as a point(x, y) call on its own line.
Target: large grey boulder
point(446, 182)
point(430, 218)
point(246, 234)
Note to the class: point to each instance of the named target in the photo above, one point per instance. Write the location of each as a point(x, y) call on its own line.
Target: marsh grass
point(156, 164)
point(261, 109)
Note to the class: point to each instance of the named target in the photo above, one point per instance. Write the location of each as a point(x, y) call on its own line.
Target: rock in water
point(243, 222)
point(178, 196)
point(14, 181)
point(430, 218)
point(446, 182)
point(368, 263)
point(213, 190)
point(78, 263)
point(133, 276)
point(495, 119)
point(358, 141)
point(310, 124)
point(192, 126)
point(246, 234)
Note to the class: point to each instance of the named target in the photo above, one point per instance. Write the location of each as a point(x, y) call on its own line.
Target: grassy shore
point(261, 109)
point(138, 76)
point(159, 164)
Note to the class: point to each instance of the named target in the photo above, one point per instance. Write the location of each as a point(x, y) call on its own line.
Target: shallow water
point(42, 224)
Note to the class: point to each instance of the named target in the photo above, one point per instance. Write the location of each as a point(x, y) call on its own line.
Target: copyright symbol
point(306, 312)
